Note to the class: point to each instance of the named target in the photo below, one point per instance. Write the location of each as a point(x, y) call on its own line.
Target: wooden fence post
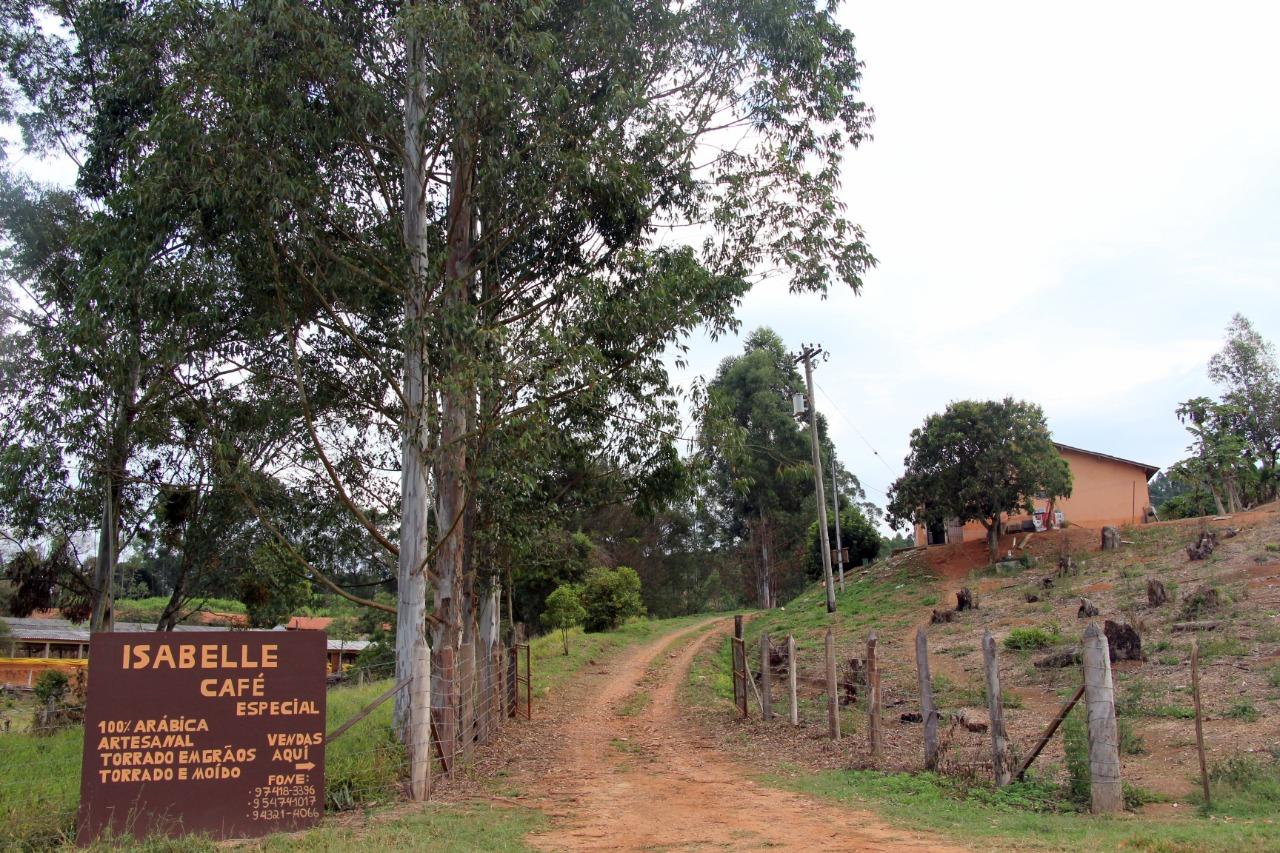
point(791, 679)
point(995, 712)
point(873, 697)
point(766, 680)
point(1195, 695)
point(420, 722)
point(928, 713)
point(1105, 789)
point(833, 697)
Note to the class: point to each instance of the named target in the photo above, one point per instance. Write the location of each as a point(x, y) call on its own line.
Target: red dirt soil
point(652, 781)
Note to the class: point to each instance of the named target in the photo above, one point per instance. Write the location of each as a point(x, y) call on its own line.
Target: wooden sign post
point(218, 732)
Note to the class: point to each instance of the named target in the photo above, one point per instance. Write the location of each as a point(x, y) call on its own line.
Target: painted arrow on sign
point(308, 766)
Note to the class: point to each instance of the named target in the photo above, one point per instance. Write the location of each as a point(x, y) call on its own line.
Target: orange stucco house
point(1104, 490)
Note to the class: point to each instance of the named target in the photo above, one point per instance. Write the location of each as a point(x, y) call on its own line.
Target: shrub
point(51, 686)
point(610, 597)
point(564, 611)
point(1021, 639)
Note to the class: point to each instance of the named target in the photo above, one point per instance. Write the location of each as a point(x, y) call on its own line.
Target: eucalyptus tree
point(457, 220)
point(762, 482)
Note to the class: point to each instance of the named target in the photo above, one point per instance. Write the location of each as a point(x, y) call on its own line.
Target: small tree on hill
point(564, 611)
point(611, 597)
point(977, 461)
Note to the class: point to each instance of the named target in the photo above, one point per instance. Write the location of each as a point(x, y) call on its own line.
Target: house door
point(936, 533)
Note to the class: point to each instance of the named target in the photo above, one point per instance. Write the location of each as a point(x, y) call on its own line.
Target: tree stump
point(1087, 609)
point(1205, 599)
point(1123, 641)
point(1156, 593)
point(966, 600)
point(1203, 546)
point(1110, 538)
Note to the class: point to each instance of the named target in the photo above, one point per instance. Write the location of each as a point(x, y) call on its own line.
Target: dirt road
point(628, 774)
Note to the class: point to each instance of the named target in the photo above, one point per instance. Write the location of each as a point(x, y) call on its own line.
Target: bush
point(1022, 639)
point(51, 686)
point(857, 534)
point(610, 597)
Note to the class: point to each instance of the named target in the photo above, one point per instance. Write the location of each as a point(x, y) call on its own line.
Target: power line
point(849, 420)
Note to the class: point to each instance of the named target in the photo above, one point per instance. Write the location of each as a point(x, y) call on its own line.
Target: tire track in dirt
point(650, 782)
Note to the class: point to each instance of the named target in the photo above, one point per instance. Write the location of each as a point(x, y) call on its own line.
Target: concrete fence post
point(1106, 792)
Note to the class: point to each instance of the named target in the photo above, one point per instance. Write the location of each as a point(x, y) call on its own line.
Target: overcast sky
point(1067, 202)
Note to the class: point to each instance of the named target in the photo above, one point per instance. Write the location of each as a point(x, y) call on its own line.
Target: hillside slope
point(1032, 611)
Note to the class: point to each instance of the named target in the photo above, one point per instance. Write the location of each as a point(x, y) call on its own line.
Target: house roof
point(62, 631)
point(308, 623)
point(1150, 470)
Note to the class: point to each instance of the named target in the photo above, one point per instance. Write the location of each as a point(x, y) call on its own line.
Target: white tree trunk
point(415, 488)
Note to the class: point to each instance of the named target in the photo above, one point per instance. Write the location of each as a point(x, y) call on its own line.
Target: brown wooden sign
point(219, 732)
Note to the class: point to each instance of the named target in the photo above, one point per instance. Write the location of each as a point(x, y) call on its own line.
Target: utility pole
point(806, 355)
point(835, 502)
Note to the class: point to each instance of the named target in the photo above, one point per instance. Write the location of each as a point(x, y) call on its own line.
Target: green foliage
point(1243, 710)
point(610, 597)
point(1075, 745)
point(857, 534)
point(275, 589)
point(51, 686)
point(1023, 639)
point(1245, 785)
point(1131, 743)
point(564, 611)
point(977, 461)
point(1216, 647)
point(379, 657)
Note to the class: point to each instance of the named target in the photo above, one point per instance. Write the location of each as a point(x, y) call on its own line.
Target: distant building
point(1104, 490)
point(42, 644)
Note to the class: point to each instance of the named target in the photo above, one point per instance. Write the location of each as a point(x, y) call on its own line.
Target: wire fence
point(968, 737)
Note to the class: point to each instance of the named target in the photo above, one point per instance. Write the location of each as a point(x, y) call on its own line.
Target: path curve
point(649, 781)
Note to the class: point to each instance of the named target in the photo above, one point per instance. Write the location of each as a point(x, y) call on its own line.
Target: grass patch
point(1244, 785)
point(1027, 815)
point(448, 829)
point(1217, 647)
point(1243, 710)
point(1027, 639)
point(634, 704)
point(1173, 712)
point(551, 666)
